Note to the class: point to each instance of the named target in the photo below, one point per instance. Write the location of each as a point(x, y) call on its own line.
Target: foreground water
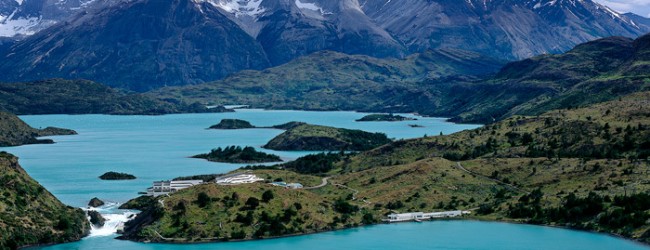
point(156, 148)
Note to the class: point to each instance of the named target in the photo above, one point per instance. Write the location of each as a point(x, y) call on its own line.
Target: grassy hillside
point(30, 215)
point(334, 81)
point(583, 168)
point(58, 96)
point(615, 129)
point(218, 213)
point(15, 132)
point(314, 137)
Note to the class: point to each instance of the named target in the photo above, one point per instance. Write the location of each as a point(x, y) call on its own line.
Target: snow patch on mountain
point(238, 7)
point(13, 27)
point(311, 7)
point(30, 16)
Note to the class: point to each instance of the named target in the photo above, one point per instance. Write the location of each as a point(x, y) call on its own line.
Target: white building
point(238, 179)
point(287, 185)
point(294, 185)
point(166, 187)
point(417, 216)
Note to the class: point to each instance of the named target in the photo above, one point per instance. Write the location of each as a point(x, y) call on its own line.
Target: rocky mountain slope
point(288, 28)
point(138, 45)
point(512, 29)
point(30, 215)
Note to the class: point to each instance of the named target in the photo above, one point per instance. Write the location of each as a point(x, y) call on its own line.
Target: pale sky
point(639, 7)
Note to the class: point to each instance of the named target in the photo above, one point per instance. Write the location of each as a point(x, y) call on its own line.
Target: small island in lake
point(237, 154)
point(232, 124)
point(315, 137)
point(116, 176)
point(384, 118)
point(242, 124)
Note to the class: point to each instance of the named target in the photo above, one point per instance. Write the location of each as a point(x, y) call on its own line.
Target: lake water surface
point(157, 148)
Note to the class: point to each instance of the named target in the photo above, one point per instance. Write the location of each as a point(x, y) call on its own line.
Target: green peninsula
point(15, 132)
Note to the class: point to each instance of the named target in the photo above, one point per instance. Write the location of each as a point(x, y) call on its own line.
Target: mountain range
point(179, 42)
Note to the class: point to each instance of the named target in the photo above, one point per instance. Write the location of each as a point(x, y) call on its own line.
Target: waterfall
point(115, 219)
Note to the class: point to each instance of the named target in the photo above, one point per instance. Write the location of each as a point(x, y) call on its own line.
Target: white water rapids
point(115, 218)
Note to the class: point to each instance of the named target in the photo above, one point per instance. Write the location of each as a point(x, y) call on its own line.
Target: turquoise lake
point(157, 148)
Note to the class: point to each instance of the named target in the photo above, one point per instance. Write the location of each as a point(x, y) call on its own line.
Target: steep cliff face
point(30, 215)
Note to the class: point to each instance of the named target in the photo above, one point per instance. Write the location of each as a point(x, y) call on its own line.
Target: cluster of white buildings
point(419, 216)
point(236, 179)
point(166, 187)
